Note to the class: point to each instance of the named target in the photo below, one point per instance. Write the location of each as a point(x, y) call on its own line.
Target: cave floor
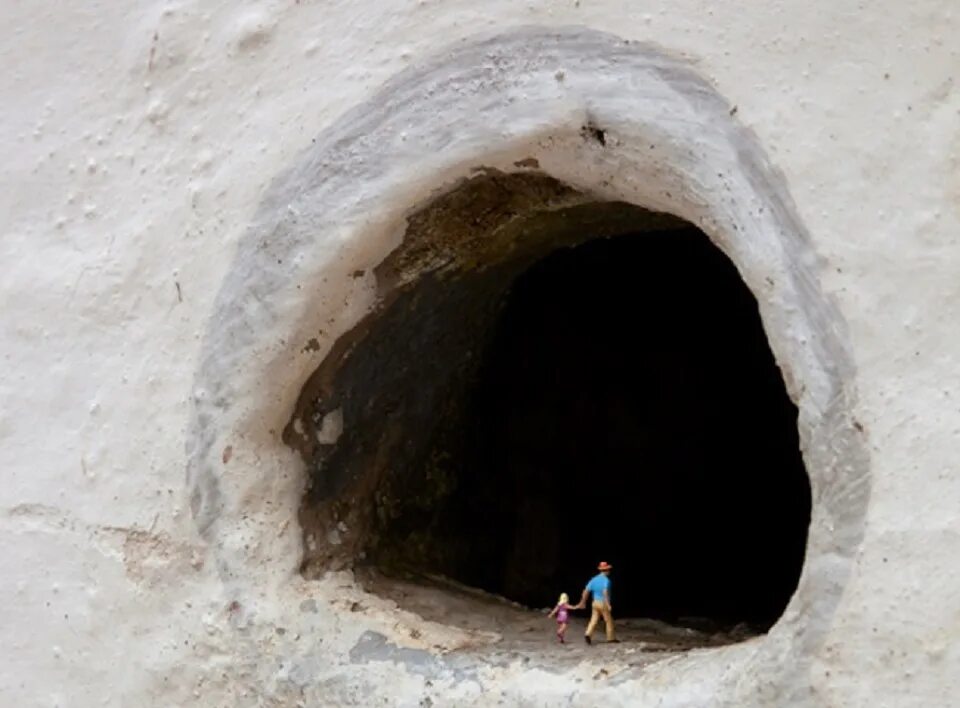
point(509, 629)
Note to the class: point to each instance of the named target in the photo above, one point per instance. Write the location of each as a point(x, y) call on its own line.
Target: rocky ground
point(507, 631)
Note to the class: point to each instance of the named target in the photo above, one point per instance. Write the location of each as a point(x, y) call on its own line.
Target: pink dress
point(563, 613)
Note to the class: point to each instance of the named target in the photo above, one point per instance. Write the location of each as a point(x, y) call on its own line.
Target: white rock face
point(190, 193)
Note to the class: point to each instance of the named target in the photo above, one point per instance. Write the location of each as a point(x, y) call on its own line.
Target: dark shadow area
point(548, 381)
point(627, 408)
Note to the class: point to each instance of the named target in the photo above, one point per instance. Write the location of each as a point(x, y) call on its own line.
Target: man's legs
point(607, 621)
point(594, 618)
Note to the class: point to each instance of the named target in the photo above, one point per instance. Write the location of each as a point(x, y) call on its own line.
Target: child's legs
point(562, 628)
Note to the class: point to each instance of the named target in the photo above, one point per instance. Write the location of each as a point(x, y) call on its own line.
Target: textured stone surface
point(399, 379)
point(186, 213)
point(674, 146)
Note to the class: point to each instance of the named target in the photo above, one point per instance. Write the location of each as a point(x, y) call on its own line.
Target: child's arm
point(554, 611)
point(583, 601)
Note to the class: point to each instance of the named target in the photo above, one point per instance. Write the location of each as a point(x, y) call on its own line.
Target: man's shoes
point(613, 641)
point(587, 639)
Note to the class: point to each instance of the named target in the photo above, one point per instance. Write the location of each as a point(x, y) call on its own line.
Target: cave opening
point(629, 409)
point(607, 394)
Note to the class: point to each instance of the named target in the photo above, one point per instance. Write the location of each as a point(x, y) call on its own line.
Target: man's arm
point(583, 600)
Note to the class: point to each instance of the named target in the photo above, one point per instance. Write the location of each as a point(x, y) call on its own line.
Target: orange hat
point(604, 566)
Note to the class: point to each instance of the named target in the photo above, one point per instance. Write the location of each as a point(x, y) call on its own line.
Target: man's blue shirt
point(597, 585)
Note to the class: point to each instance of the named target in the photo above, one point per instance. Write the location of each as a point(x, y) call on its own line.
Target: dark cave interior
point(589, 382)
point(628, 409)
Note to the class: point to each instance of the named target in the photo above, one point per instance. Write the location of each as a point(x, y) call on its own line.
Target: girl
point(562, 611)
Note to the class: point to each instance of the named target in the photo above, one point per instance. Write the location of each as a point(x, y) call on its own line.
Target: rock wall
point(197, 199)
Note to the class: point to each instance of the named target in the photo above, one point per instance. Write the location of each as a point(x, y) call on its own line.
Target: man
point(599, 587)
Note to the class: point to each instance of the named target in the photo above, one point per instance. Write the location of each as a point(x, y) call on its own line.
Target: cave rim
point(351, 189)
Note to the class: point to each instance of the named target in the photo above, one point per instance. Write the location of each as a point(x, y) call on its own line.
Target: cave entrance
point(536, 393)
point(629, 409)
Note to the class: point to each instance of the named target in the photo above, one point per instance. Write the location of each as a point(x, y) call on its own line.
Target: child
point(562, 611)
